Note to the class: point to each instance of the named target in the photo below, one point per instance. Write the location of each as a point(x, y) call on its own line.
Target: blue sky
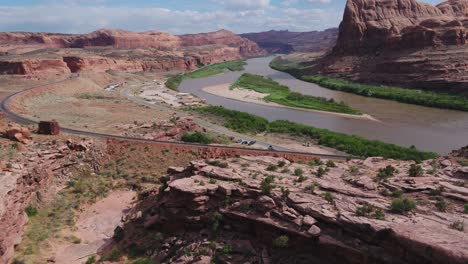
point(174, 16)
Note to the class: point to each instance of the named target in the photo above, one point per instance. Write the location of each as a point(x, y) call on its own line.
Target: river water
point(426, 128)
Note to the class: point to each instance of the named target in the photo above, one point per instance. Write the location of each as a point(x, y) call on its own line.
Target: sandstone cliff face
point(402, 43)
point(157, 51)
point(370, 25)
point(286, 42)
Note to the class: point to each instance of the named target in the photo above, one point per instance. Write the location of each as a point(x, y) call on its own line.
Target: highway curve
point(4, 107)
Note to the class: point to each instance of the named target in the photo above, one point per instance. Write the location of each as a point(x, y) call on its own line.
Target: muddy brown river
point(426, 128)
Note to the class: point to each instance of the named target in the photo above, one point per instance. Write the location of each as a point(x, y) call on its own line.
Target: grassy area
point(213, 69)
point(48, 220)
point(238, 121)
point(282, 95)
point(409, 96)
point(354, 145)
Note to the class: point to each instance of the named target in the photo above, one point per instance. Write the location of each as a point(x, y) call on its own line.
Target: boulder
point(49, 128)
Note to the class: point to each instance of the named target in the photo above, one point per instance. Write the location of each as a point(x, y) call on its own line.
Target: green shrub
point(301, 178)
point(91, 260)
point(217, 163)
point(367, 210)
point(402, 206)
point(196, 137)
point(329, 197)
point(281, 242)
point(272, 167)
point(114, 255)
point(353, 170)
point(465, 208)
point(267, 184)
point(416, 171)
point(320, 172)
point(441, 204)
point(285, 193)
point(298, 172)
point(397, 193)
point(386, 173)
point(31, 211)
point(331, 164)
point(144, 261)
point(281, 163)
point(437, 192)
point(226, 250)
point(119, 234)
point(315, 162)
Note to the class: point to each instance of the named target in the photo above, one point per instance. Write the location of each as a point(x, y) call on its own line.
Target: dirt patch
point(95, 227)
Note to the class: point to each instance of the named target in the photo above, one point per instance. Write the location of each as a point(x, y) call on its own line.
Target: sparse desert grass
point(49, 219)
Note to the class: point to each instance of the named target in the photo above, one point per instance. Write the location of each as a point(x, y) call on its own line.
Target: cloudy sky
point(175, 16)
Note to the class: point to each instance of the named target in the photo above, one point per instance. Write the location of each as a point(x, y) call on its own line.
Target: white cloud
point(245, 4)
point(83, 19)
point(293, 2)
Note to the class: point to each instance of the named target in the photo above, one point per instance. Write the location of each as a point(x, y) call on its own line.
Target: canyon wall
point(284, 41)
point(402, 43)
point(102, 50)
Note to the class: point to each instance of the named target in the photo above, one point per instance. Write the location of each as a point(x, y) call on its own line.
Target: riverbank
point(282, 95)
point(354, 145)
point(251, 96)
point(402, 95)
point(206, 71)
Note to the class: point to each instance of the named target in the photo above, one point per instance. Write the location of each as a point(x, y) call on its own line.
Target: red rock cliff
point(370, 25)
point(119, 50)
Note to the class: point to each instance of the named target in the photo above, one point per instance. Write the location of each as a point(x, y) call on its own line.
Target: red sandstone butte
point(402, 43)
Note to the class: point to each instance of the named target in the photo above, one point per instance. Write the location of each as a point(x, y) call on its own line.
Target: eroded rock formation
point(268, 210)
point(404, 43)
point(284, 41)
point(118, 50)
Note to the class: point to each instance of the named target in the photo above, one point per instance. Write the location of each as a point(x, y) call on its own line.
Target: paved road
point(4, 107)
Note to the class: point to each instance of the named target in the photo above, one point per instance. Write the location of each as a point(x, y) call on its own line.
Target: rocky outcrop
point(119, 50)
point(220, 209)
point(284, 41)
point(402, 43)
point(32, 66)
point(370, 26)
point(37, 172)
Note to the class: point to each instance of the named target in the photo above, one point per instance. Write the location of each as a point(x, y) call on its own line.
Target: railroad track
point(11, 115)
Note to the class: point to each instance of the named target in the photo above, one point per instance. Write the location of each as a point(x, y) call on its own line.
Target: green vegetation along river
point(426, 128)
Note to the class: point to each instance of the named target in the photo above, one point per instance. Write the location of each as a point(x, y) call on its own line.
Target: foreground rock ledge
point(305, 218)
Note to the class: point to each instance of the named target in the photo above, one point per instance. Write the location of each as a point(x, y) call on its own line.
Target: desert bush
point(416, 171)
point(402, 206)
point(267, 184)
point(196, 137)
point(281, 242)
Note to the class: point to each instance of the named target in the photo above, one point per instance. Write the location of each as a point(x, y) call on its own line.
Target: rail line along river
point(426, 128)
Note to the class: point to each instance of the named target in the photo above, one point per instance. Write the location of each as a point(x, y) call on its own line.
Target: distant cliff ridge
point(286, 42)
point(102, 50)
